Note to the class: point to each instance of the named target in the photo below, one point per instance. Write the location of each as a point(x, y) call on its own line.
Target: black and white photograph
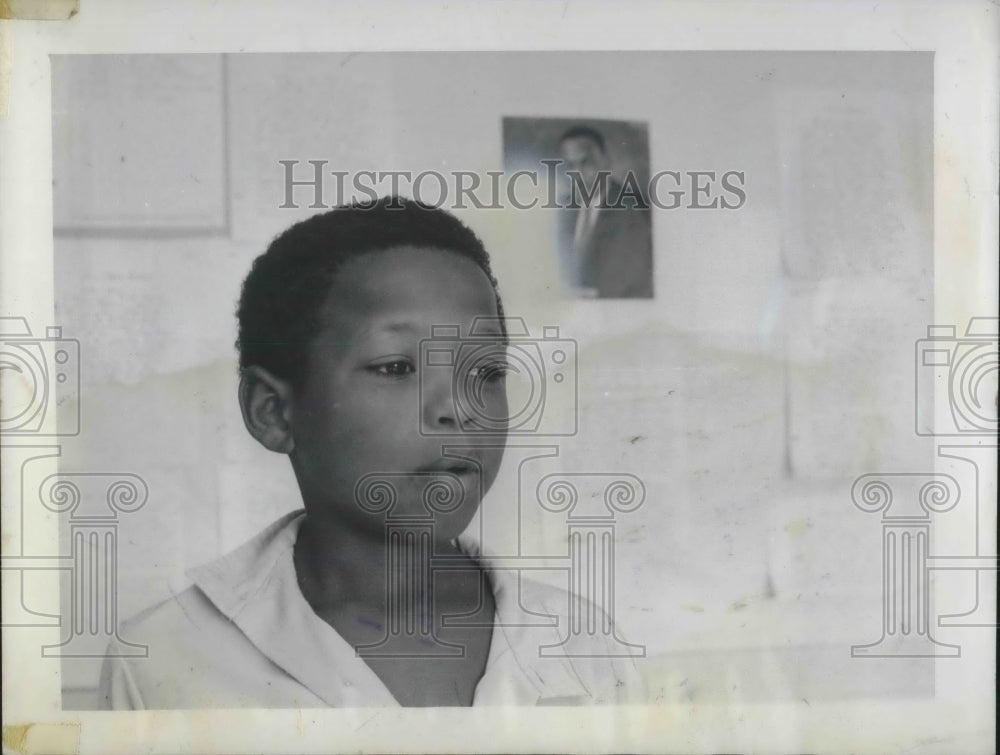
point(371, 396)
point(594, 172)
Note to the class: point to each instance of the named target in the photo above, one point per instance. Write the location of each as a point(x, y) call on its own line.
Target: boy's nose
point(444, 408)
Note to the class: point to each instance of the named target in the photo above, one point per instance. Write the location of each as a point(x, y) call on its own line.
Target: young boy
point(367, 597)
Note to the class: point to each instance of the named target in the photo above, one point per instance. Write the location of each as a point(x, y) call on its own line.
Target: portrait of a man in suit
point(604, 229)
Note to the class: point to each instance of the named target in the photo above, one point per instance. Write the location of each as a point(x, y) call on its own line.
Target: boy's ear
point(266, 403)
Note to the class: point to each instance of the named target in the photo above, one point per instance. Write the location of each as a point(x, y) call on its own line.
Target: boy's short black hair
point(284, 292)
point(584, 132)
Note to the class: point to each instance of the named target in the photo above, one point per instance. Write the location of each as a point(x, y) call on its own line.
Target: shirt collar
point(528, 619)
point(256, 588)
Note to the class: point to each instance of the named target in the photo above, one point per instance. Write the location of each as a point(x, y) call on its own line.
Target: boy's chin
point(439, 527)
point(447, 531)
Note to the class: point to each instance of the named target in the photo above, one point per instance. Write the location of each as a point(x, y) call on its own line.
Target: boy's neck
point(339, 565)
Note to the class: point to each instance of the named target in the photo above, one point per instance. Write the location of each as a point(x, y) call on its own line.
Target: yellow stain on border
point(42, 739)
point(38, 10)
point(26, 10)
point(4, 66)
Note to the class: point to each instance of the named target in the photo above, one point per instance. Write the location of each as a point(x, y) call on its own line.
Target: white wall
point(773, 366)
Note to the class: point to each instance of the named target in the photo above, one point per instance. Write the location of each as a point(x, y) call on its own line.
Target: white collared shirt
point(244, 636)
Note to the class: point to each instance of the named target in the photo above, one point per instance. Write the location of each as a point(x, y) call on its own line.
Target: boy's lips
point(452, 466)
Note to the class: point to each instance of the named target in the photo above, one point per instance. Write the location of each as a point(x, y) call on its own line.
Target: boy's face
point(367, 407)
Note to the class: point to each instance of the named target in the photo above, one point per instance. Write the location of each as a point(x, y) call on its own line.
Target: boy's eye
point(395, 368)
point(487, 372)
